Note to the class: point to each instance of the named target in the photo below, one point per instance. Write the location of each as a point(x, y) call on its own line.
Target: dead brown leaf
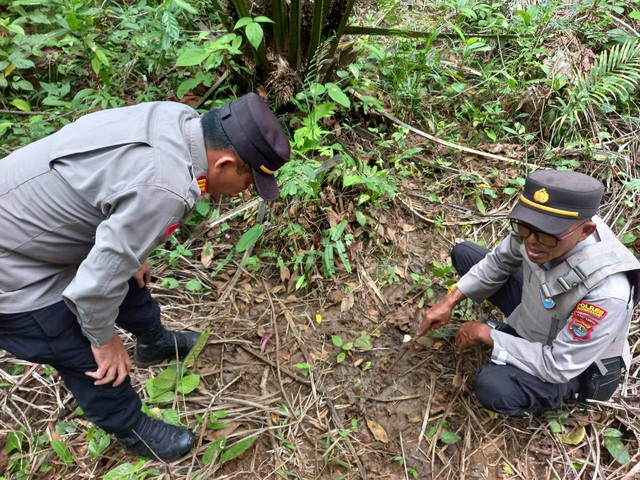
point(347, 303)
point(206, 257)
point(379, 433)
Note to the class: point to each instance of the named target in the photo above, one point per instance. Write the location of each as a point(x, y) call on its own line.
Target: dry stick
point(404, 458)
point(451, 144)
point(269, 362)
point(427, 411)
point(20, 112)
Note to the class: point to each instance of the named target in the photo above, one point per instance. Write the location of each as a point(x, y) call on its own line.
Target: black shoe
point(160, 344)
point(155, 439)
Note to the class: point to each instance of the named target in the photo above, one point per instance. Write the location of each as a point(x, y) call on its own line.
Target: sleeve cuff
point(499, 356)
point(465, 285)
point(100, 337)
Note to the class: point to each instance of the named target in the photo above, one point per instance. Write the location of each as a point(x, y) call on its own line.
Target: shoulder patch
point(592, 310)
point(581, 326)
point(171, 228)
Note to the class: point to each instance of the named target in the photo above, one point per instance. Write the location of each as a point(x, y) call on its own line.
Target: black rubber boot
point(159, 344)
point(155, 439)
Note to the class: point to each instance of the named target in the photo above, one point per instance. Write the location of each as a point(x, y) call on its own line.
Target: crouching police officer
point(568, 287)
point(80, 212)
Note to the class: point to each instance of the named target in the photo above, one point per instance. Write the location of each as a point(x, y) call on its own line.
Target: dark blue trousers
point(505, 388)
point(52, 335)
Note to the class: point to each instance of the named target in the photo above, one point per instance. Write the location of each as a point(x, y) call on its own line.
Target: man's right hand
point(113, 362)
point(435, 317)
point(440, 314)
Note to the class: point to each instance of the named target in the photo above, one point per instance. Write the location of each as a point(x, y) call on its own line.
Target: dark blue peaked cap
point(256, 134)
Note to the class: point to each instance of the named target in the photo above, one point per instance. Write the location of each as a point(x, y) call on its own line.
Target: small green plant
point(412, 471)
point(304, 368)
point(163, 387)
point(446, 436)
point(362, 343)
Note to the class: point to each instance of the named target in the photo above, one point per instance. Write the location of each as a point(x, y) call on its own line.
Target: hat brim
point(544, 222)
point(266, 185)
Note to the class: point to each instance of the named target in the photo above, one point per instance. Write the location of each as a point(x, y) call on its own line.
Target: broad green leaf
point(243, 22)
point(99, 442)
point(203, 207)
point(363, 342)
point(186, 86)
point(72, 20)
point(169, 282)
point(171, 417)
point(575, 437)
point(612, 432)
point(220, 414)
point(449, 437)
point(62, 450)
point(337, 95)
point(635, 14)
point(254, 34)
point(14, 442)
point(192, 56)
point(165, 380)
point(165, 397)
point(214, 450)
point(249, 238)
point(102, 57)
point(341, 356)
point(188, 384)
point(197, 348)
point(21, 104)
point(19, 30)
point(362, 220)
point(193, 285)
point(336, 340)
point(64, 428)
point(186, 6)
point(217, 425)
point(262, 19)
point(96, 64)
point(347, 346)
point(480, 205)
point(617, 449)
point(21, 62)
point(238, 449)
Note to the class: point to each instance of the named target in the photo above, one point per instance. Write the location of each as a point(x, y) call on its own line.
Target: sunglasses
point(543, 238)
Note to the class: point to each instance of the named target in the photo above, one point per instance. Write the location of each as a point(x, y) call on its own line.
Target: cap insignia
point(203, 181)
point(541, 196)
point(266, 170)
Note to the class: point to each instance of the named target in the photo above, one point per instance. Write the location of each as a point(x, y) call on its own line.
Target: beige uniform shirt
point(571, 352)
point(82, 209)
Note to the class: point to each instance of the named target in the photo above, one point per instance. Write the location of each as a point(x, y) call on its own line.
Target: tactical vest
point(568, 283)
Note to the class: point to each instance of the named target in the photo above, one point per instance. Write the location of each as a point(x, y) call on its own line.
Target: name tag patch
point(591, 310)
point(171, 228)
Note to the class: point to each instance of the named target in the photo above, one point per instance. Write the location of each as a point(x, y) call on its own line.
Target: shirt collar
point(197, 148)
point(590, 240)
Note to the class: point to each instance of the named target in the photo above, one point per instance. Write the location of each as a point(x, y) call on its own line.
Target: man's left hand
point(473, 333)
point(143, 276)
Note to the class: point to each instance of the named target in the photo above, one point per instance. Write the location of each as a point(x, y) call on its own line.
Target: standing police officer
point(568, 287)
point(80, 212)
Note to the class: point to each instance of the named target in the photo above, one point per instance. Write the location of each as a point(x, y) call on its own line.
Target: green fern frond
point(614, 76)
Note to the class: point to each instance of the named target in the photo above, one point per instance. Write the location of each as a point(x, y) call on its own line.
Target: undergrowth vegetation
point(544, 83)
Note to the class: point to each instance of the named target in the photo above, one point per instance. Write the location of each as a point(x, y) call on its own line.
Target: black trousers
point(52, 335)
point(505, 388)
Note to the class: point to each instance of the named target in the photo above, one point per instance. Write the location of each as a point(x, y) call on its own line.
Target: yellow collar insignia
point(202, 183)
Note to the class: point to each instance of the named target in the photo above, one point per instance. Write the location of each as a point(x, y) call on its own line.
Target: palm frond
point(614, 76)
